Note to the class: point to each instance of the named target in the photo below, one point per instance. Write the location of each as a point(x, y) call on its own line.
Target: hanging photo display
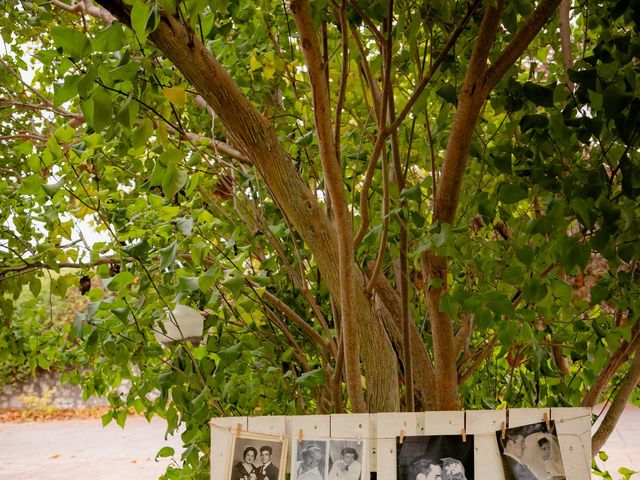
point(438, 457)
point(348, 460)
point(258, 457)
point(309, 460)
point(404, 446)
point(531, 452)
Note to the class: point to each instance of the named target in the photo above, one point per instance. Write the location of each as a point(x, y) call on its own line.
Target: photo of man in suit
point(267, 471)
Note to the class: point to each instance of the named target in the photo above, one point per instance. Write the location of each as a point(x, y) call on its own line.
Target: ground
point(82, 449)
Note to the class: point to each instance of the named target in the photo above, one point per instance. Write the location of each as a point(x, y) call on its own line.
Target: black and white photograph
point(347, 460)
point(309, 460)
point(438, 457)
point(258, 457)
point(531, 452)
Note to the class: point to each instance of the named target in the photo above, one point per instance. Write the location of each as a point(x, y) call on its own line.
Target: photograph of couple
point(328, 460)
point(439, 457)
point(531, 452)
point(257, 459)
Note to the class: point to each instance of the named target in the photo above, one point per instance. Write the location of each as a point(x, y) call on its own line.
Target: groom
point(267, 471)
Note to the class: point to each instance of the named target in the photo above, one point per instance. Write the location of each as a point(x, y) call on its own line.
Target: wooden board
point(573, 427)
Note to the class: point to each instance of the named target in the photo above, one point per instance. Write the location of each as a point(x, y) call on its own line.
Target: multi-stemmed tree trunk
point(256, 139)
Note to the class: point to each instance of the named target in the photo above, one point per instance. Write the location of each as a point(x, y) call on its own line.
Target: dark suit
point(518, 470)
point(270, 472)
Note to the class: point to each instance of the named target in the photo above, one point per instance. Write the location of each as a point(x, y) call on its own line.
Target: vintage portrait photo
point(531, 452)
point(309, 460)
point(438, 457)
point(258, 457)
point(348, 460)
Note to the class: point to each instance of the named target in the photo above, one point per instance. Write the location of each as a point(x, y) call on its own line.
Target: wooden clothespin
point(359, 438)
point(300, 433)
point(238, 428)
point(503, 427)
point(401, 437)
point(547, 421)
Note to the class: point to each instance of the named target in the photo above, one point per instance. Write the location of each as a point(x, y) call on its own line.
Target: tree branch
point(520, 42)
point(471, 98)
point(296, 319)
point(84, 7)
point(333, 179)
point(612, 416)
point(617, 359)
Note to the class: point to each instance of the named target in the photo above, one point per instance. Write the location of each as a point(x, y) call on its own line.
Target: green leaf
point(584, 212)
point(53, 188)
point(35, 286)
point(483, 318)
point(448, 93)
point(185, 225)
point(102, 110)
point(510, 193)
point(313, 378)
point(199, 352)
point(43, 363)
point(534, 290)
point(109, 40)
point(507, 332)
point(168, 255)
point(537, 121)
point(601, 291)
point(412, 193)
point(72, 42)
point(231, 353)
point(66, 91)
point(144, 19)
point(174, 179)
point(614, 101)
point(235, 284)
point(525, 254)
point(106, 418)
point(188, 284)
point(538, 94)
point(121, 280)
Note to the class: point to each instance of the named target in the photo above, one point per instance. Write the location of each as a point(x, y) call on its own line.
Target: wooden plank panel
point(222, 436)
point(389, 426)
point(485, 421)
point(574, 435)
point(443, 423)
point(525, 416)
point(271, 425)
point(487, 460)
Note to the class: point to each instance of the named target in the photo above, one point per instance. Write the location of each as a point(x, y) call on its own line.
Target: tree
point(379, 205)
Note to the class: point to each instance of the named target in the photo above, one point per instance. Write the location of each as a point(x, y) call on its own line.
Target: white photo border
point(260, 438)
